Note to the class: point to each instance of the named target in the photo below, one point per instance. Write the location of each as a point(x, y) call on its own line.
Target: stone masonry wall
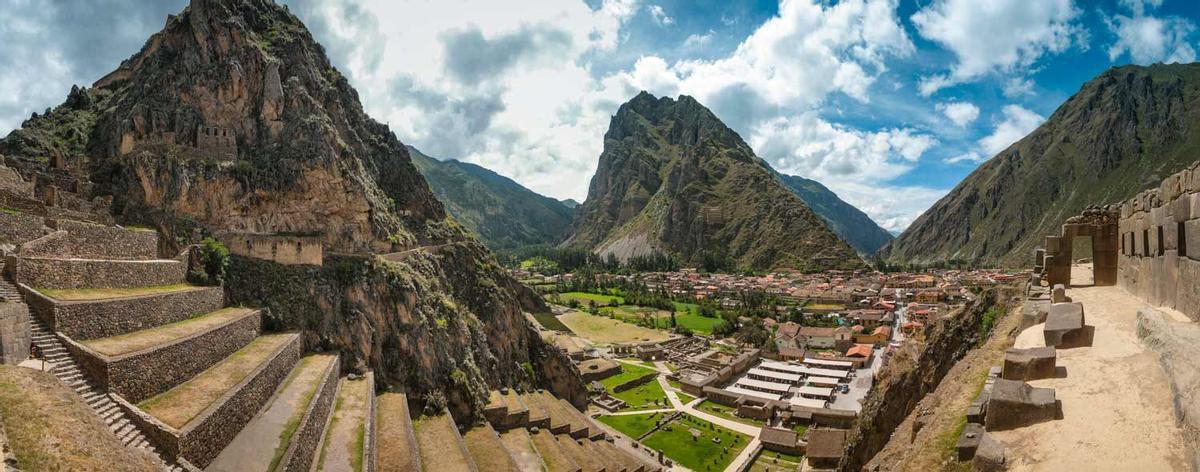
point(110, 317)
point(203, 439)
point(92, 273)
point(14, 332)
point(1159, 230)
point(17, 227)
point(140, 375)
point(282, 249)
point(92, 241)
point(303, 449)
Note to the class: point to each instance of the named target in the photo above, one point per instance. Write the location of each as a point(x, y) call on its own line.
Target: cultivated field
point(603, 330)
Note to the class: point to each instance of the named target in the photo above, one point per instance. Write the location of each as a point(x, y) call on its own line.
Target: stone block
point(989, 456)
point(1058, 294)
point(977, 410)
point(1014, 404)
point(968, 441)
point(1065, 325)
point(1053, 246)
point(1029, 364)
point(1193, 205)
point(1181, 208)
point(15, 337)
point(1191, 238)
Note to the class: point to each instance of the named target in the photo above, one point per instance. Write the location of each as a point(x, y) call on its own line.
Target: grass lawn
point(144, 339)
point(649, 395)
point(599, 329)
point(698, 453)
point(771, 461)
point(684, 398)
point(551, 322)
point(727, 412)
point(628, 372)
point(72, 294)
point(584, 298)
point(633, 426)
point(698, 324)
point(639, 361)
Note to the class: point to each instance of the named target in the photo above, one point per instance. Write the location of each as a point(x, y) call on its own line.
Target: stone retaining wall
point(307, 438)
point(94, 273)
point(205, 436)
point(95, 319)
point(92, 241)
point(138, 376)
point(14, 332)
point(18, 227)
point(636, 382)
point(1159, 230)
point(370, 428)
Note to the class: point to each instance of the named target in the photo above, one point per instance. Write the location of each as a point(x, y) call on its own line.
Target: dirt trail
point(1117, 410)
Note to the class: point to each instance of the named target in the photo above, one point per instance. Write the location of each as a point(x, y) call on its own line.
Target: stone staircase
point(530, 431)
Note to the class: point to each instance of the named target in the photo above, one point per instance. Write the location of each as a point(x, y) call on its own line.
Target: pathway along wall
point(1159, 257)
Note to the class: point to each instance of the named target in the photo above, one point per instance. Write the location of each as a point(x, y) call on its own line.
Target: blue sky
point(890, 103)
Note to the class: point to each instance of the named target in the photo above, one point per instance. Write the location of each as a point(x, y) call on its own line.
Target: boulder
point(1013, 404)
point(989, 456)
point(968, 442)
point(1064, 325)
point(1029, 364)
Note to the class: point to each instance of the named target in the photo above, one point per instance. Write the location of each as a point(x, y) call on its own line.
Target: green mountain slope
point(854, 226)
point(501, 212)
point(1123, 131)
point(673, 179)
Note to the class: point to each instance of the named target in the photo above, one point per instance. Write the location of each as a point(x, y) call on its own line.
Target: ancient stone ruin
point(1014, 404)
point(1097, 223)
point(1029, 364)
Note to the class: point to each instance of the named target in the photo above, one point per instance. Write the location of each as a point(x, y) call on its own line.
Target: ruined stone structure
point(1029, 364)
point(1097, 223)
point(278, 248)
point(1014, 404)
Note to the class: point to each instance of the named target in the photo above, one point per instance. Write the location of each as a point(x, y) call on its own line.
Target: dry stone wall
point(54, 273)
point(303, 448)
point(1160, 243)
point(92, 241)
point(110, 317)
point(14, 332)
point(18, 227)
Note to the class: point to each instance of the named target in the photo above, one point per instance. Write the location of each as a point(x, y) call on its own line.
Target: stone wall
point(303, 448)
point(205, 436)
point(11, 182)
point(92, 241)
point(278, 248)
point(110, 317)
point(370, 428)
point(1160, 243)
point(18, 227)
point(94, 273)
point(138, 376)
point(14, 332)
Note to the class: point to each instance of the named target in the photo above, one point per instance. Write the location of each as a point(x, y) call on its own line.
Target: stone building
point(279, 248)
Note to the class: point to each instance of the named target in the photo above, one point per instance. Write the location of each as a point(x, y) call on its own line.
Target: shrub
point(214, 261)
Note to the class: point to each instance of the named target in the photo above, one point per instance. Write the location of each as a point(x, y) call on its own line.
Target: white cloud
point(698, 40)
point(1017, 123)
point(959, 113)
point(659, 15)
point(999, 35)
point(1148, 39)
point(1018, 86)
point(969, 156)
point(893, 208)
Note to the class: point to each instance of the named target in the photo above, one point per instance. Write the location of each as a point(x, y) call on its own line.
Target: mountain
point(569, 203)
point(674, 179)
point(1124, 131)
point(232, 119)
point(501, 212)
point(850, 223)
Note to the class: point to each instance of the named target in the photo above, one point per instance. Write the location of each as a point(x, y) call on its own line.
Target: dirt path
point(1117, 410)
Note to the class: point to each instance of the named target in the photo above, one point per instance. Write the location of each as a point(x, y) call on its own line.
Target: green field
point(771, 461)
point(584, 298)
point(647, 396)
point(684, 398)
point(727, 412)
point(697, 453)
point(628, 372)
point(633, 426)
point(549, 321)
point(602, 330)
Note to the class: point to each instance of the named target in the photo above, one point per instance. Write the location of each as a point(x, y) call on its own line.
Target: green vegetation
point(713, 448)
point(584, 297)
point(649, 395)
point(633, 426)
point(9, 211)
point(727, 412)
point(684, 398)
point(549, 321)
point(293, 422)
point(989, 320)
point(214, 259)
point(771, 461)
point(628, 372)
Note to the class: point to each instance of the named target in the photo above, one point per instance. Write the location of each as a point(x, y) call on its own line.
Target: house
point(860, 351)
point(825, 448)
point(869, 319)
point(876, 336)
point(781, 440)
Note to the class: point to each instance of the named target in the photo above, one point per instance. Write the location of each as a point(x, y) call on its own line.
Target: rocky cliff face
point(848, 222)
point(1122, 132)
point(674, 179)
point(232, 119)
point(504, 214)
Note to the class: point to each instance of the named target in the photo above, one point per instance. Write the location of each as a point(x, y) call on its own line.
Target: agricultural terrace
point(601, 330)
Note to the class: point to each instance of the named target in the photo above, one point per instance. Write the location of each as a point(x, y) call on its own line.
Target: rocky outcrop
point(674, 179)
point(232, 119)
point(1178, 347)
point(915, 371)
point(1122, 132)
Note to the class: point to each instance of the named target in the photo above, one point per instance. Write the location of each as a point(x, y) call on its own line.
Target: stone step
point(487, 450)
point(397, 444)
point(102, 313)
point(305, 398)
point(586, 458)
point(442, 447)
point(63, 273)
point(145, 363)
point(519, 446)
point(552, 454)
point(203, 415)
point(351, 427)
point(93, 241)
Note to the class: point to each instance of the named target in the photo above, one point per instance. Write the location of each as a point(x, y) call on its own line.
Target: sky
point(889, 103)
